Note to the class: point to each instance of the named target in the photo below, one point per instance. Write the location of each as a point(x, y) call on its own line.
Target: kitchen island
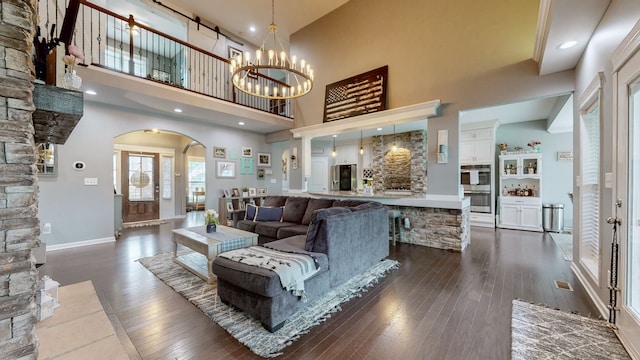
point(435, 221)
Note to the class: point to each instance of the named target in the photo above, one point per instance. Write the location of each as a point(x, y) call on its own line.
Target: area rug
point(244, 328)
point(538, 332)
point(565, 243)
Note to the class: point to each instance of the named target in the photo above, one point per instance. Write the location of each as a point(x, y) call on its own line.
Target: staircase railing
point(124, 45)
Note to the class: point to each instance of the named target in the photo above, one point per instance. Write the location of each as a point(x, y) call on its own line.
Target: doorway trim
point(627, 53)
point(166, 205)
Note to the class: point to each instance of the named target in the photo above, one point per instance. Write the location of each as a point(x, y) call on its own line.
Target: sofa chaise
point(344, 240)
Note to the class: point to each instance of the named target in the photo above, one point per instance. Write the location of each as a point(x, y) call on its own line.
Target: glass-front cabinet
point(520, 191)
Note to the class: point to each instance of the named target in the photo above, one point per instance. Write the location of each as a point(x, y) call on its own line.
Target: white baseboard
point(601, 306)
point(80, 244)
point(630, 346)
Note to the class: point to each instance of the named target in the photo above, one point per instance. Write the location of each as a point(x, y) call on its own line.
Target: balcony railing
point(122, 44)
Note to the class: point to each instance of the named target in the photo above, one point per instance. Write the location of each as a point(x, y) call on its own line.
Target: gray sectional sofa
point(345, 238)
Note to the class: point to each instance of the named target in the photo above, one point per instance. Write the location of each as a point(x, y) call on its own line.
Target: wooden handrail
point(167, 36)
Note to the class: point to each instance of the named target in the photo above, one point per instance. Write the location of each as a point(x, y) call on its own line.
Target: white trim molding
point(542, 31)
point(591, 91)
point(76, 244)
point(627, 48)
point(593, 295)
point(400, 115)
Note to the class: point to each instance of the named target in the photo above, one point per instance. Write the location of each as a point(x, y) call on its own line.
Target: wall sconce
point(443, 146)
point(333, 152)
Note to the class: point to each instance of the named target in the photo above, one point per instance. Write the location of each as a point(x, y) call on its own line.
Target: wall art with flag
point(357, 95)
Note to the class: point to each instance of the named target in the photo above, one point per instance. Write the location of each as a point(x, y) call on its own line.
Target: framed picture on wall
point(247, 152)
point(264, 159)
point(220, 152)
point(565, 155)
point(234, 52)
point(225, 169)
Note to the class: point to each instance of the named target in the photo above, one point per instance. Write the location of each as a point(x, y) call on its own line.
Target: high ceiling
point(559, 21)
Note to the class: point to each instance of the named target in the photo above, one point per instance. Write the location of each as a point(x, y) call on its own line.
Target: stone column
point(19, 228)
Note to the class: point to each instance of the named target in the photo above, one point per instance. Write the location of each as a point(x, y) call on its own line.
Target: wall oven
point(476, 182)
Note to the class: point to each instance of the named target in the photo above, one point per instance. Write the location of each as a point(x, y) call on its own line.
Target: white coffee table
point(210, 245)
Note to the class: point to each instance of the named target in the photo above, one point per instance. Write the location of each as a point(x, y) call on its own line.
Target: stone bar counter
point(434, 221)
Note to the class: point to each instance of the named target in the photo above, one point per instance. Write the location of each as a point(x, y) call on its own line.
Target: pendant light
point(361, 148)
point(394, 147)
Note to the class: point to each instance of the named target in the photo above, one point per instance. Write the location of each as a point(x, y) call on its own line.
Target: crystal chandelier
point(298, 79)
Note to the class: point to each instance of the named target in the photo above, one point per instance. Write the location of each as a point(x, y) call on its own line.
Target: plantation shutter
point(590, 189)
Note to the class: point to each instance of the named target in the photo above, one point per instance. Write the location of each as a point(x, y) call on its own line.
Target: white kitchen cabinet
point(476, 145)
point(476, 134)
point(476, 152)
point(520, 191)
point(347, 154)
point(520, 213)
point(528, 165)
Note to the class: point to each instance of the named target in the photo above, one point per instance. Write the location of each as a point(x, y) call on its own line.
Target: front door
point(628, 191)
point(140, 186)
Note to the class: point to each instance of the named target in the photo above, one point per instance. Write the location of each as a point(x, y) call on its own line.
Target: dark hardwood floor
point(437, 305)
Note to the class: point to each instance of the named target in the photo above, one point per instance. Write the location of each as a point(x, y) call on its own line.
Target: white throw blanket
point(293, 269)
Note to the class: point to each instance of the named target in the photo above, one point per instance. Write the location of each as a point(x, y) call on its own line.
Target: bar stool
point(394, 216)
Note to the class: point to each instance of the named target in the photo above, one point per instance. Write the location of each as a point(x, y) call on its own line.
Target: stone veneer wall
point(19, 229)
point(416, 143)
point(438, 228)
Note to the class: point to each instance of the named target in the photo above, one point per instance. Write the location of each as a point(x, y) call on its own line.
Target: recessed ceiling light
point(379, 129)
point(252, 29)
point(567, 44)
point(241, 123)
point(91, 92)
point(178, 110)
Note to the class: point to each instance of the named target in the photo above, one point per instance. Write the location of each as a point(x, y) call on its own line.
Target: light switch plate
point(273, 181)
point(91, 181)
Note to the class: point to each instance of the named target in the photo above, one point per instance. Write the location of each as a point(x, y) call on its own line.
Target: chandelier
point(298, 78)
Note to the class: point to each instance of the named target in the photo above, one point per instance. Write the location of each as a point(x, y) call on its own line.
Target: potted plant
point(211, 220)
point(245, 192)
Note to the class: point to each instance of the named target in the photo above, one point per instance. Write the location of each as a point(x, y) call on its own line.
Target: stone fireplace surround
point(19, 228)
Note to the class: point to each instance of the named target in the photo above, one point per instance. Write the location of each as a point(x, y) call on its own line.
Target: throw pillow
point(264, 213)
point(250, 212)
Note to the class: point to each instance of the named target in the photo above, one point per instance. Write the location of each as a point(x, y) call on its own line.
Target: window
point(141, 186)
point(167, 177)
point(119, 60)
point(196, 177)
point(590, 179)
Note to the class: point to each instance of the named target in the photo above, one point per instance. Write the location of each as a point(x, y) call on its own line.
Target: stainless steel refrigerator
point(344, 177)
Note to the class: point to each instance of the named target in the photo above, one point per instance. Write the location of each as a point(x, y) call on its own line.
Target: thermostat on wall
point(78, 165)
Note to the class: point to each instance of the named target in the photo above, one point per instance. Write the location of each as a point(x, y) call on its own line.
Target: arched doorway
point(157, 175)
